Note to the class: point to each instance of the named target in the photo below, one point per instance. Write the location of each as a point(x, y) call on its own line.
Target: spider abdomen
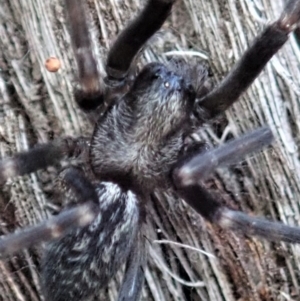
point(84, 260)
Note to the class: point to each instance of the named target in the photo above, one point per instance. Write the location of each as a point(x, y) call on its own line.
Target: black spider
point(141, 142)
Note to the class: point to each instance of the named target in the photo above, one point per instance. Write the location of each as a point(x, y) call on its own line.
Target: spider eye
point(166, 84)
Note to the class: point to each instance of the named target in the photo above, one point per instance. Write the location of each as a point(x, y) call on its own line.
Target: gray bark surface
point(36, 106)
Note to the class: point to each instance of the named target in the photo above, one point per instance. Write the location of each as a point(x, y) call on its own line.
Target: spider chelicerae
point(142, 141)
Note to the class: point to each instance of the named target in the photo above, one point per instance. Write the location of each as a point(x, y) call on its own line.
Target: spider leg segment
point(59, 225)
point(41, 156)
point(210, 208)
point(201, 165)
point(91, 255)
point(91, 92)
point(133, 280)
point(252, 62)
point(132, 38)
point(188, 174)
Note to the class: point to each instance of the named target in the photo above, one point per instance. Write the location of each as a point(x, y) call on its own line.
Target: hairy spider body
point(139, 139)
point(142, 141)
point(134, 145)
point(85, 259)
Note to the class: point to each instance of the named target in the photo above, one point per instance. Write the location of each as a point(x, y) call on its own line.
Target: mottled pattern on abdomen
point(78, 265)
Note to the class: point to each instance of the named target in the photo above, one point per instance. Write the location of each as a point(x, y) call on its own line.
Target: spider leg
point(59, 225)
point(41, 156)
point(197, 167)
point(132, 38)
point(189, 172)
point(210, 208)
point(133, 280)
point(252, 62)
point(91, 92)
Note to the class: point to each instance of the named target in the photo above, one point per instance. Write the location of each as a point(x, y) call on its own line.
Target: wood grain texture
point(36, 106)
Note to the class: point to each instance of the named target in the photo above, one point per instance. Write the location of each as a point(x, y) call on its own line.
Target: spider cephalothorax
point(142, 141)
point(139, 139)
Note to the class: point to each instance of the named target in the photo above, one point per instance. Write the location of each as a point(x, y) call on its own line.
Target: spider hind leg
point(190, 171)
point(40, 157)
point(135, 35)
point(90, 93)
point(211, 209)
point(134, 277)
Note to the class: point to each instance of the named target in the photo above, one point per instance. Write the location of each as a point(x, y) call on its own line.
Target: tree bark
point(36, 106)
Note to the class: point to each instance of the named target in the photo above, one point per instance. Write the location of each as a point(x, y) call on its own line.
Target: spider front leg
point(135, 35)
point(93, 92)
point(190, 171)
point(251, 63)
